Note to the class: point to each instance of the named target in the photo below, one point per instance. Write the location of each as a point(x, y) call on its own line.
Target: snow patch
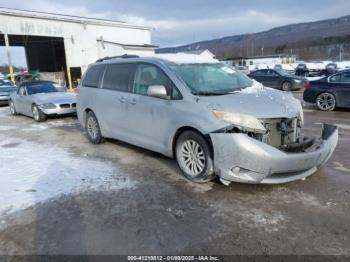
point(31, 173)
point(183, 58)
point(259, 218)
point(254, 89)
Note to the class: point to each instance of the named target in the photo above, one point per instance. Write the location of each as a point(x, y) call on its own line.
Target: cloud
point(184, 21)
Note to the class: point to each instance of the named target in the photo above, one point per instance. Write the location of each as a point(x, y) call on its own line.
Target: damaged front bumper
point(240, 158)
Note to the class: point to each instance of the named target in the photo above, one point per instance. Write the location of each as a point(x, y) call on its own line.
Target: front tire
point(12, 108)
point(194, 157)
point(38, 115)
point(326, 102)
point(92, 128)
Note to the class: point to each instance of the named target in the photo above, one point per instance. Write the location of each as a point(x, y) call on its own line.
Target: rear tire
point(92, 128)
point(12, 108)
point(194, 157)
point(38, 115)
point(287, 86)
point(326, 102)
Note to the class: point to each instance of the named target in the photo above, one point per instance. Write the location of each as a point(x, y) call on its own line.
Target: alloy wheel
point(193, 157)
point(12, 108)
point(326, 102)
point(92, 127)
point(35, 113)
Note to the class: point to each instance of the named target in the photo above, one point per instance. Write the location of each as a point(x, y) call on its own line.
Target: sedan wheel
point(287, 86)
point(12, 108)
point(194, 157)
point(38, 115)
point(326, 102)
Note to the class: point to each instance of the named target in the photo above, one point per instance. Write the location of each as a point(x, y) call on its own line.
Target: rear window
point(117, 76)
point(93, 76)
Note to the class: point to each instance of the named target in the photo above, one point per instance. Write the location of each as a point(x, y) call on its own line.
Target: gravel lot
point(59, 194)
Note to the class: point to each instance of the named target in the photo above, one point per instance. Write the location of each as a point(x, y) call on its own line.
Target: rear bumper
point(240, 158)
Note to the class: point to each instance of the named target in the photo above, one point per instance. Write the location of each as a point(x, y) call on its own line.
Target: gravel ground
point(59, 194)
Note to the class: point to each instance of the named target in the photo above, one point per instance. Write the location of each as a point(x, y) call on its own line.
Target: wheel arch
point(85, 112)
point(181, 130)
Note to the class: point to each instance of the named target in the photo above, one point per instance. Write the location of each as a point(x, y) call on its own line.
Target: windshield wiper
point(210, 93)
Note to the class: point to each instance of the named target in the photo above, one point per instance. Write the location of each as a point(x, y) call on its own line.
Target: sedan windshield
point(210, 79)
point(6, 84)
point(44, 88)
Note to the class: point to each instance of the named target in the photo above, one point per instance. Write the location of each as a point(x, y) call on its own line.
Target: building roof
point(66, 18)
point(198, 51)
point(128, 45)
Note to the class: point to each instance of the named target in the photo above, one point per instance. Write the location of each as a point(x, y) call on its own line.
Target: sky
point(186, 21)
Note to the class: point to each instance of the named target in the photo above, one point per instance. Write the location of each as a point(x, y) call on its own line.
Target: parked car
point(330, 92)
point(6, 88)
point(213, 119)
point(39, 99)
point(286, 67)
point(278, 79)
point(243, 69)
point(310, 69)
point(331, 69)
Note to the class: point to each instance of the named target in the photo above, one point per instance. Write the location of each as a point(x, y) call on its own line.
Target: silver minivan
point(212, 119)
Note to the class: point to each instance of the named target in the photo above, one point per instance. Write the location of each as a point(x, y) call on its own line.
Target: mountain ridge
point(323, 39)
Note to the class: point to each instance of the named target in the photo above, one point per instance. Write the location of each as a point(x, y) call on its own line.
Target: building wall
point(80, 39)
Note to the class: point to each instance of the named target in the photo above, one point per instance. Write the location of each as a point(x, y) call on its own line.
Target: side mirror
point(157, 91)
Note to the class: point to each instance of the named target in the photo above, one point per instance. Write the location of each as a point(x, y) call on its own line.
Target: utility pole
point(7, 44)
point(262, 51)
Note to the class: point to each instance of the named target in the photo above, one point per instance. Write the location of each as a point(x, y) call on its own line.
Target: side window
point(259, 73)
point(93, 76)
point(147, 75)
point(271, 73)
point(117, 77)
point(345, 78)
point(335, 79)
point(22, 91)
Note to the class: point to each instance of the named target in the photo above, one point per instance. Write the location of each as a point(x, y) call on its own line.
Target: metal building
point(64, 43)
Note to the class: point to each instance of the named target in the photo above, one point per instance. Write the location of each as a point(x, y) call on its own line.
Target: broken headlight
point(242, 121)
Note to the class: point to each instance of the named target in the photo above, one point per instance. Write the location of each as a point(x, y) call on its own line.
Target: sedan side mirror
point(157, 91)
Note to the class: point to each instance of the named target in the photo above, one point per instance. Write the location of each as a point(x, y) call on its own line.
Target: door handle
point(121, 99)
point(132, 102)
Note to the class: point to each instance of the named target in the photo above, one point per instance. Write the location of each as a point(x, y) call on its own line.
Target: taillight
point(307, 85)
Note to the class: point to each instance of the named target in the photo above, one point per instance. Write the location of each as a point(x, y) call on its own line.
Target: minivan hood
point(261, 102)
point(56, 98)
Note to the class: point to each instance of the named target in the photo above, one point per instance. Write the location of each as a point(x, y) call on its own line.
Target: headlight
point(297, 81)
point(47, 106)
point(246, 122)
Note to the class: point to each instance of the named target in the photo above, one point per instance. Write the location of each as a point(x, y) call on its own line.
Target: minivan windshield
point(210, 79)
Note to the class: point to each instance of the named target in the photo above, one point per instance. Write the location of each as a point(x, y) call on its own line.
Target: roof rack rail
point(113, 57)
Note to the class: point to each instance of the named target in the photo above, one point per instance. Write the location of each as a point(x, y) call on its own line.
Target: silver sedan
point(38, 99)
